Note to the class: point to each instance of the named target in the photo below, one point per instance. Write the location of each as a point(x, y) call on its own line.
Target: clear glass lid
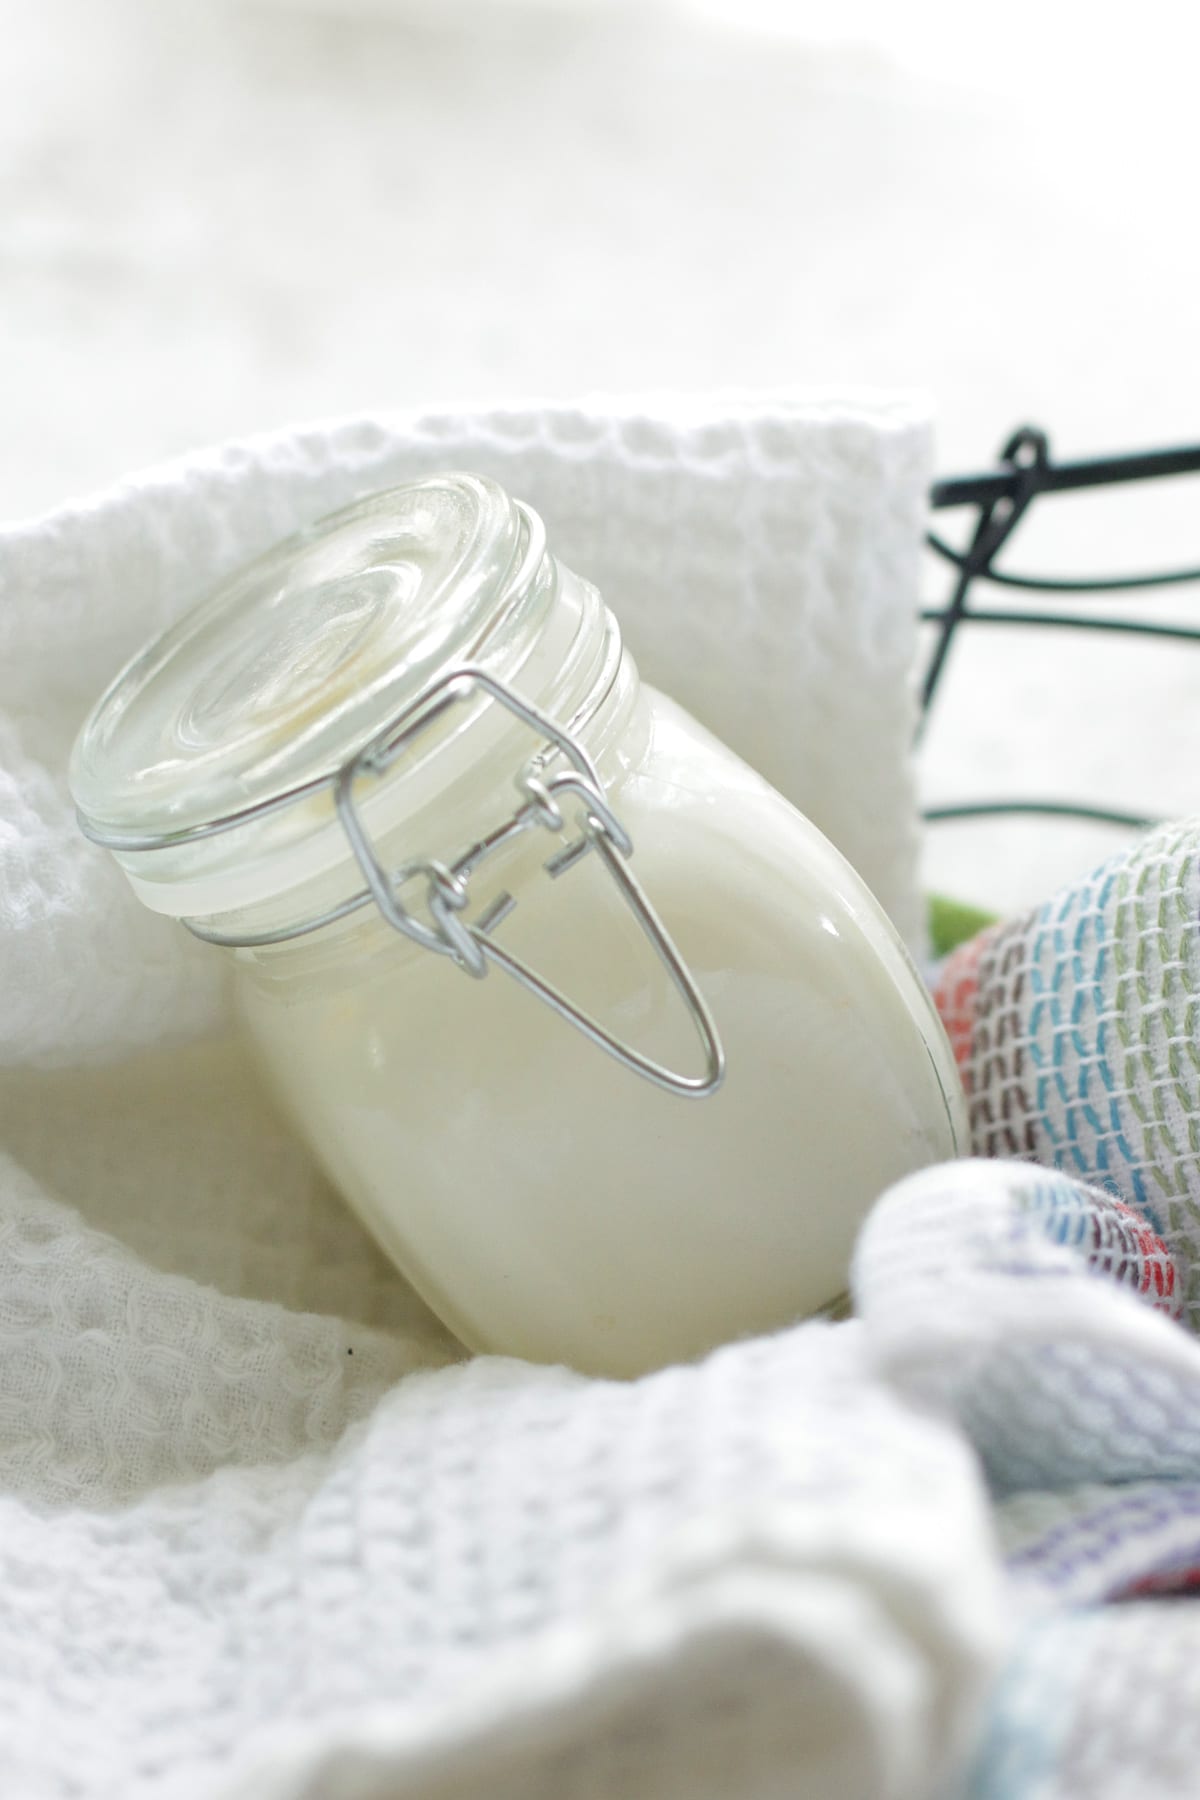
point(296, 661)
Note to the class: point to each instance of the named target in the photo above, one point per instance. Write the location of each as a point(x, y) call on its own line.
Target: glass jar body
point(550, 1203)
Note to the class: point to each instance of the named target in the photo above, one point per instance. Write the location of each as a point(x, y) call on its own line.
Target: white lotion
point(547, 1200)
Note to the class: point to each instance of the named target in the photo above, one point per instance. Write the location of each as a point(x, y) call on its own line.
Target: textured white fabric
point(261, 1531)
point(507, 1581)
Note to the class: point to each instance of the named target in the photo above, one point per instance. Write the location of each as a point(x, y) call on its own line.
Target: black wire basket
point(1003, 500)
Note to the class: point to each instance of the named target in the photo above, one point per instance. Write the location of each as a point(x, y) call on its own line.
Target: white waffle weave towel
point(261, 1531)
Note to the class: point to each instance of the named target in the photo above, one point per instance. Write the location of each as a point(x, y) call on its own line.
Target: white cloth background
point(261, 1531)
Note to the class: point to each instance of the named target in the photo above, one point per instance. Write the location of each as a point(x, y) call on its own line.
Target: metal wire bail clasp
point(471, 943)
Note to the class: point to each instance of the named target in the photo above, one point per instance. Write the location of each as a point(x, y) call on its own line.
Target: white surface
point(222, 217)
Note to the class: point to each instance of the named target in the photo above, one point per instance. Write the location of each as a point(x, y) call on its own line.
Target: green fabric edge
point(952, 922)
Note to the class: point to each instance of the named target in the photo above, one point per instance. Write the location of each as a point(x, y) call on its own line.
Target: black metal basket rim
point(1002, 498)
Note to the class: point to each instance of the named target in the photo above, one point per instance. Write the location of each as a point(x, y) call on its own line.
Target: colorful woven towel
point(1046, 1300)
point(1077, 1031)
point(1039, 1316)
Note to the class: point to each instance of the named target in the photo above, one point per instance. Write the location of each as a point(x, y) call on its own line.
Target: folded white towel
point(248, 1546)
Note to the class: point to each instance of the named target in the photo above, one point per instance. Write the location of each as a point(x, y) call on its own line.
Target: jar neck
point(464, 782)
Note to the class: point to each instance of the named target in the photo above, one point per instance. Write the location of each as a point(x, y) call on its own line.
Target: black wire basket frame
point(1003, 498)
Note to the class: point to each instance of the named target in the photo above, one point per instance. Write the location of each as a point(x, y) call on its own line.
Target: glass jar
point(405, 751)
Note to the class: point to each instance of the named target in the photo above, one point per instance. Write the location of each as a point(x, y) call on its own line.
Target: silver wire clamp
point(471, 943)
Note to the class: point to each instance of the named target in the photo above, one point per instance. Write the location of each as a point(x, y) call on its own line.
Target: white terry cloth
point(261, 1532)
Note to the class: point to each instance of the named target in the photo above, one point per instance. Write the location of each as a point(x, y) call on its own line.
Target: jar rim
point(298, 657)
point(206, 765)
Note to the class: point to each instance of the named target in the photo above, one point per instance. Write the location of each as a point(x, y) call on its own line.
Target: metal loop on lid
point(471, 945)
point(547, 812)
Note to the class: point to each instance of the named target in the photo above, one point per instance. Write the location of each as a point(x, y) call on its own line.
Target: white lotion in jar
point(737, 1056)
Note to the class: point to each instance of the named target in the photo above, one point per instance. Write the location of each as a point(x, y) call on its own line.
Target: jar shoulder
point(695, 807)
point(751, 882)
